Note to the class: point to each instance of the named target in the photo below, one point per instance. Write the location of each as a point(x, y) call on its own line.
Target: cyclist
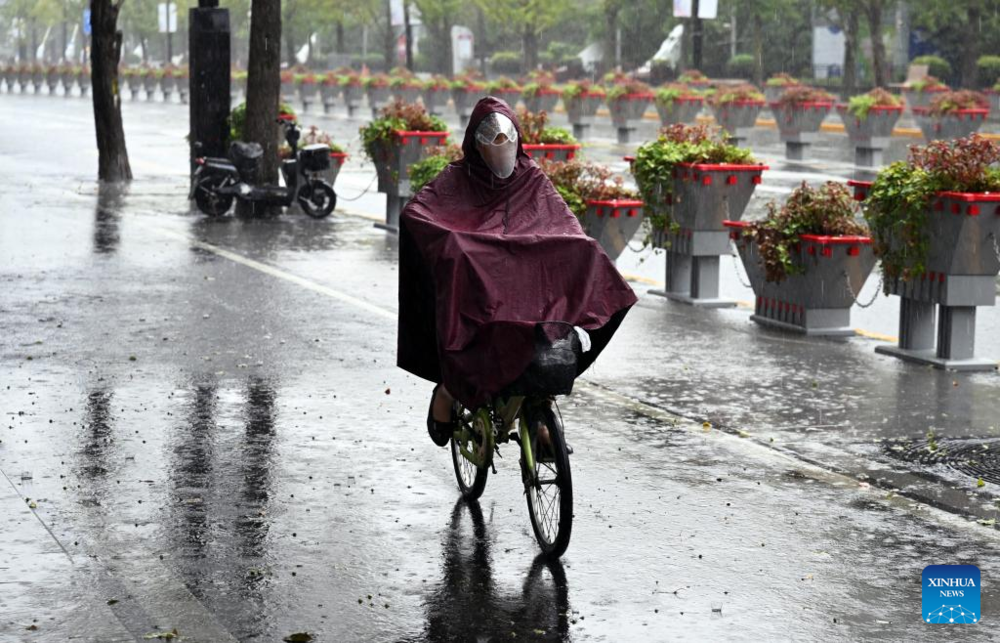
point(489, 251)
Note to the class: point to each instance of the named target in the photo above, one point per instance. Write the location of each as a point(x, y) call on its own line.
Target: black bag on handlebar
point(555, 364)
point(315, 158)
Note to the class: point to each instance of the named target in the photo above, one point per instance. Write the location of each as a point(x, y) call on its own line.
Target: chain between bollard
point(363, 192)
point(736, 264)
point(854, 295)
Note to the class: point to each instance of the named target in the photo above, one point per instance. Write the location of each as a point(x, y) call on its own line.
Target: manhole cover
point(976, 457)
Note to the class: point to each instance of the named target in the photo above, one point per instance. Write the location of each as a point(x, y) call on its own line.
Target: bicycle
point(545, 470)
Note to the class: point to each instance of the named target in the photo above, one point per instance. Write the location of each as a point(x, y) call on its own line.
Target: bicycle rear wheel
point(472, 435)
point(549, 490)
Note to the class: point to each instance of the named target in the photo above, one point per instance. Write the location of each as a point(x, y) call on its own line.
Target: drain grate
point(976, 457)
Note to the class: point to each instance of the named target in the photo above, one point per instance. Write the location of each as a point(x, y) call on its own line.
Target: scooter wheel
point(317, 199)
point(207, 198)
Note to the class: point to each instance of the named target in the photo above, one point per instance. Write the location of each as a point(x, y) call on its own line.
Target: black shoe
point(440, 432)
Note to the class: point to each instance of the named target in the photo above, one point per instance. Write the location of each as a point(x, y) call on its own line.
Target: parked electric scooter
point(218, 181)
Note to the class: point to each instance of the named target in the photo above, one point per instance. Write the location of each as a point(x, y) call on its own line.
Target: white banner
point(707, 9)
point(161, 11)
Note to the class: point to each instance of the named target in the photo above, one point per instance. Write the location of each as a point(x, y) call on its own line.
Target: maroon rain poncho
point(483, 260)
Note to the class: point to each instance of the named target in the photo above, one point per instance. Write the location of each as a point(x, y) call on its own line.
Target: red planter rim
point(721, 167)
point(807, 105)
point(743, 103)
point(965, 197)
point(818, 239)
point(551, 146)
point(926, 90)
point(618, 203)
point(642, 96)
point(842, 107)
point(338, 155)
point(975, 111)
point(418, 134)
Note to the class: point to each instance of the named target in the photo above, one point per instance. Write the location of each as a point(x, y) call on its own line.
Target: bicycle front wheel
point(473, 437)
point(549, 490)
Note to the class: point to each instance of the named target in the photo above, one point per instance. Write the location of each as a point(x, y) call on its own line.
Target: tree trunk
point(851, 25)
point(611, 10)
point(264, 84)
point(530, 48)
point(970, 48)
point(409, 35)
point(145, 51)
point(390, 38)
point(875, 9)
point(758, 49)
point(340, 37)
point(290, 46)
point(106, 49)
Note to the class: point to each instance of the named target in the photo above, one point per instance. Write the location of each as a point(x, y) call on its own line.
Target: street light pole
point(170, 46)
point(695, 36)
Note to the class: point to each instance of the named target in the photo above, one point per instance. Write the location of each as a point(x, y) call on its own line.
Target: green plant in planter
point(797, 95)
point(928, 83)
point(316, 136)
point(398, 115)
point(426, 170)
point(670, 92)
point(989, 70)
point(579, 181)
point(376, 80)
point(437, 83)
point(859, 106)
point(745, 93)
point(535, 130)
point(238, 118)
point(620, 90)
point(468, 83)
point(948, 102)
point(782, 80)
point(897, 205)
point(349, 78)
point(654, 163)
point(574, 90)
point(693, 76)
point(532, 89)
point(501, 84)
point(936, 65)
point(828, 210)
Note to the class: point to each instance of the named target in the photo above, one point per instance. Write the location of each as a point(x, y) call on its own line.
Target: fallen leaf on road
point(167, 636)
point(298, 637)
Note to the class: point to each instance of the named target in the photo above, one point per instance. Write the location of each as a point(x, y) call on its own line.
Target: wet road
point(204, 430)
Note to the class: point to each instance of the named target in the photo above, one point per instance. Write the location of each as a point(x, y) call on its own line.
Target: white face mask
point(496, 139)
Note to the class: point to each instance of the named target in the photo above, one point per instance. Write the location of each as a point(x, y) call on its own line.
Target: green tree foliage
point(529, 18)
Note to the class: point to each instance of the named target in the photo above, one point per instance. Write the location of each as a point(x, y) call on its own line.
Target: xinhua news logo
point(951, 594)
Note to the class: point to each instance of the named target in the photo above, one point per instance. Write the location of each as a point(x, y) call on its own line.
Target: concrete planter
point(134, 86)
point(8, 76)
point(961, 271)
point(544, 100)
point(957, 124)
point(167, 85)
point(552, 152)
point(683, 109)
point(23, 80)
point(435, 99)
point(581, 111)
point(465, 99)
point(818, 301)
point(994, 97)
point(738, 118)
point(798, 125)
point(353, 94)
point(921, 99)
point(68, 80)
point(407, 93)
point(870, 136)
point(288, 92)
point(613, 223)
point(378, 97)
point(38, 79)
point(182, 85)
point(704, 197)
point(626, 110)
point(773, 92)
point(392, 161)
point(509, 96)
point(52, 80)
point(84, 81)
point(337, 160)
point(150, 83)
point(328, 94)
point(308, 94)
